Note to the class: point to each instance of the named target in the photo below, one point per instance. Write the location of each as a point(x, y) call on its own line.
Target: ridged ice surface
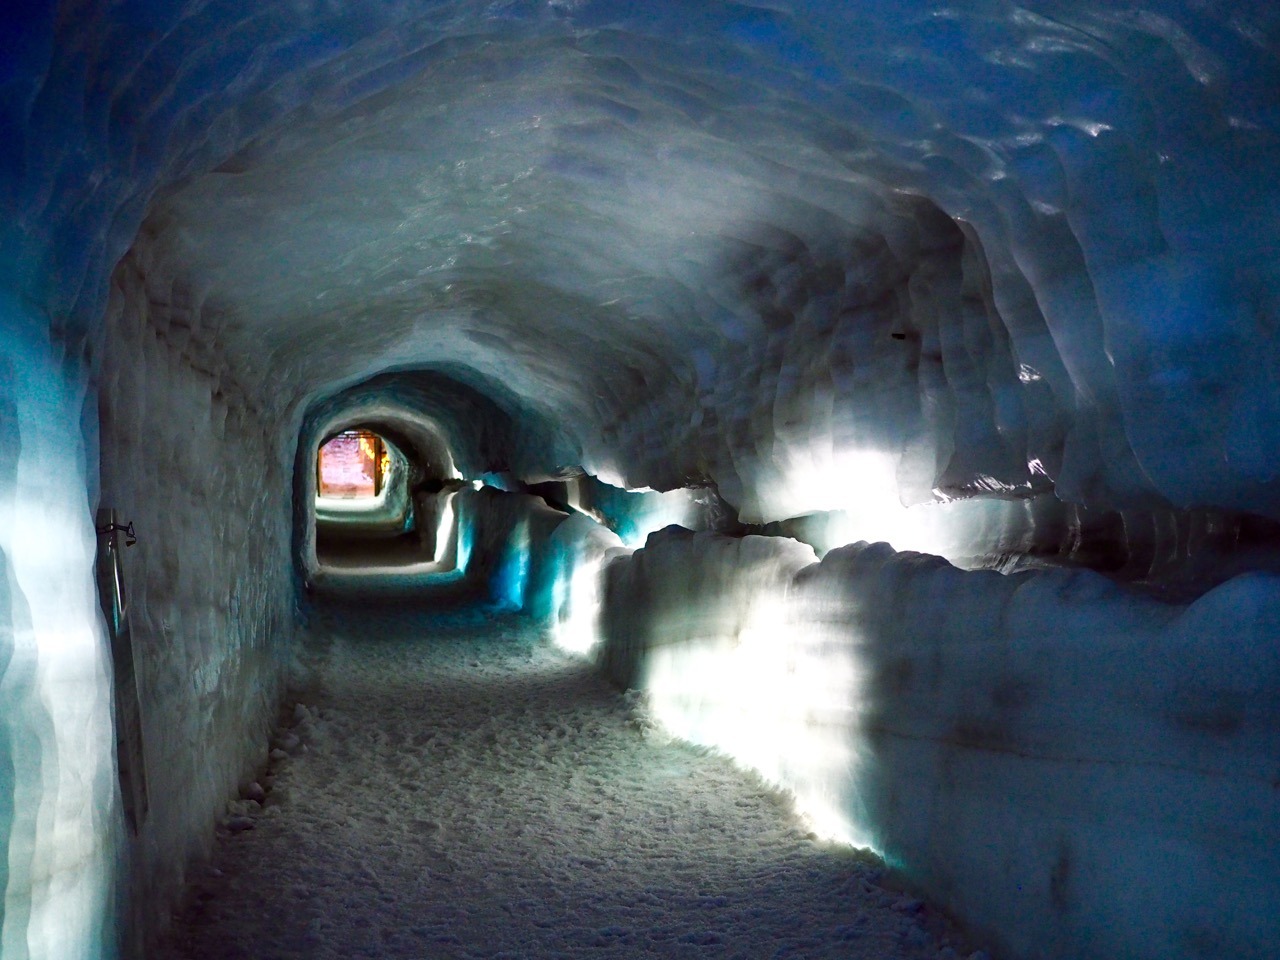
point(452, 786)
point(1008, 246)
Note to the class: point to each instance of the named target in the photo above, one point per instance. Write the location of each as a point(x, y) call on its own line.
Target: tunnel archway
point(1022, 254)
point(363, 502)
point(452, 423)
point(353, 464)
point(400, 524)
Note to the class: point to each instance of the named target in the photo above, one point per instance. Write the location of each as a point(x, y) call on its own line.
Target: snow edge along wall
point(1072, 769)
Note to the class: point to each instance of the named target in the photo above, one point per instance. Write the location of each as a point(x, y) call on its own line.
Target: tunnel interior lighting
point(352, 465)
point(446, 532)
point(773, 695)
point(897, 272)
point(576, 628)
point(512, 574)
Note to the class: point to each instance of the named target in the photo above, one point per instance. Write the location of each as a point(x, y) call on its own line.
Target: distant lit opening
point(351, 465)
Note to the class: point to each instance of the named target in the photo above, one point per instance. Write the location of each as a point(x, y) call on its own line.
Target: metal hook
point(130, 537)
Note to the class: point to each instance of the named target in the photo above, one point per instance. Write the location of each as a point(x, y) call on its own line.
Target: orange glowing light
point(352, 464)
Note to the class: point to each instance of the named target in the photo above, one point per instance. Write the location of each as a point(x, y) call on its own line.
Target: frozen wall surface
point(193, 460)
point(979, 278)
point(1076, 770)
point(515, 550)
point(1005, 248)
point(60, 827)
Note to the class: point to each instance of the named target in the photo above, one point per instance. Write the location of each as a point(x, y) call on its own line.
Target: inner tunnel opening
point(351, 464)
point(383, 495)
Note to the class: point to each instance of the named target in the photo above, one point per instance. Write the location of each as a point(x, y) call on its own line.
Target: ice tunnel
point(887, 389)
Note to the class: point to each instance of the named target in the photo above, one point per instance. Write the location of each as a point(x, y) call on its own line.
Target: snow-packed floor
point(455, 787)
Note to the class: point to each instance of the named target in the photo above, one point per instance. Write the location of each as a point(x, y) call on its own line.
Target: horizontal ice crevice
point(1072, 769)
point(857, 494)
point(634, 514)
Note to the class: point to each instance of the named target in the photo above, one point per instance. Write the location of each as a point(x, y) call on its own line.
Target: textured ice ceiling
point(1003, 248)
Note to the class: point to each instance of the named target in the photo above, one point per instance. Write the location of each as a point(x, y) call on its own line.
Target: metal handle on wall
point(130, 754)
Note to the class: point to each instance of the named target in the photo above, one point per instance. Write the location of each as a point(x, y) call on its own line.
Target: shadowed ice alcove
point(565, 478)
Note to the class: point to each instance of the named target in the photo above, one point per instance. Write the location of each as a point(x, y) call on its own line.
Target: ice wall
point(60, 822)
point(544, 562)
point(1075, 770)
point(569, 593)
point(1082, 771)
point(198, 464)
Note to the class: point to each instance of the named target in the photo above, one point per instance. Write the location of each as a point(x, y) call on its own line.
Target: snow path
point(461, 789)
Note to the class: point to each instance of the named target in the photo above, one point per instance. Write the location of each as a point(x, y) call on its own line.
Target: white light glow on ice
point(444, 529)
point(776, 699)
point(577, 630)
point(356, 507)
point(862, 484)
point(860, 488)
point(55, 692)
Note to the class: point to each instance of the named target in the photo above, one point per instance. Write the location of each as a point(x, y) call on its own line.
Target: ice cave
point(575, 478)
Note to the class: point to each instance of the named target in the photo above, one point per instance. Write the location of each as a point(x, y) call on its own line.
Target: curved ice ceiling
point(1006, 246)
